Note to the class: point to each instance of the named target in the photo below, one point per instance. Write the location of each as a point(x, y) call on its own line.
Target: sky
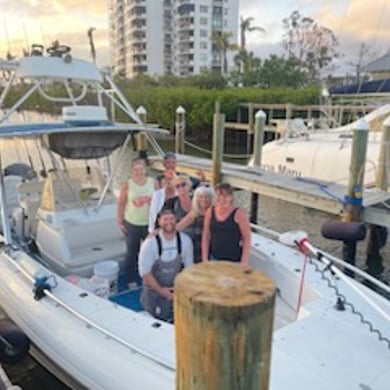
point(23, 22)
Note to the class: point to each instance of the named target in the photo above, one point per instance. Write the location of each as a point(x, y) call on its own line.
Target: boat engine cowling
point(344, 231)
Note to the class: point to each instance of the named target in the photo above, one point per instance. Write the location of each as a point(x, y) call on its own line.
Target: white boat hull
point(324, 348)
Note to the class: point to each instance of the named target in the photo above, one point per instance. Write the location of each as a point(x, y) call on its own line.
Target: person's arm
point(186, 221)
point(188, 250)
point(122, 200)
point(154, 210)
point(243, 222)
point(206, 235)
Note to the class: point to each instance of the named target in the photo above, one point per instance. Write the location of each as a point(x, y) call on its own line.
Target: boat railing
point(328, 260)
point(326, 257)
point(59, 302)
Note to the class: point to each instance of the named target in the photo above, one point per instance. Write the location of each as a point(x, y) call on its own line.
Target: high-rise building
point(160, 37)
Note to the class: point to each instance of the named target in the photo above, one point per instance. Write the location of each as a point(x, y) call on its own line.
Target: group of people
point(174, 222)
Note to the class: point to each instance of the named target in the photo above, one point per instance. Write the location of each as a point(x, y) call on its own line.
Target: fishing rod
point(43, 171)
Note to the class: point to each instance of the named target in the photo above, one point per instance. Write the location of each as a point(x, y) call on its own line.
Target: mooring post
point(180, 127)
point(382, 172)
point(354, 197)
point(249, 131)
point(258, 141)
point(260, 119)
point(378, 235)
point(142, 142)
point(223, 323)
point(218, 142)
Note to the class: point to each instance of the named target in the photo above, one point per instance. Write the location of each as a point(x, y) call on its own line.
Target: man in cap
point(170, 164)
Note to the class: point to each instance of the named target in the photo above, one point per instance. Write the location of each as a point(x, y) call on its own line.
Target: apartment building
point(160, 37)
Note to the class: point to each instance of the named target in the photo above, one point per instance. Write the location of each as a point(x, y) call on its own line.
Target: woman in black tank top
point(226, 230)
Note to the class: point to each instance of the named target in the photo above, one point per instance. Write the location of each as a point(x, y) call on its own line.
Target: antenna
point(9, 55)
point(26, 51)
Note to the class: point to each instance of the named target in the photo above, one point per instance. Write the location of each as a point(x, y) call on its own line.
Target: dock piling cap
point(224, 283)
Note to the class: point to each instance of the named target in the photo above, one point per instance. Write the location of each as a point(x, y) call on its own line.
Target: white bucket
point(108, 270)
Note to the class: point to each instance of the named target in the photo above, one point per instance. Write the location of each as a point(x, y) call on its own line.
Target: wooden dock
point(318, 195)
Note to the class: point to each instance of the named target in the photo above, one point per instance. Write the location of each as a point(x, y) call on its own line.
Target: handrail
point(49, 294)
point(334, 259)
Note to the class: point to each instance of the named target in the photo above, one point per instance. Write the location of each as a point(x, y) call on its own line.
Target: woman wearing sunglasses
point(181, 204)
point(193, 222)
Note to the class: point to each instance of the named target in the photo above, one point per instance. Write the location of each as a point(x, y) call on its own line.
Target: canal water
point(273, 214)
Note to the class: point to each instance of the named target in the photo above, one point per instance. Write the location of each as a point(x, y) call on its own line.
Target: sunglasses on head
point(181, 185)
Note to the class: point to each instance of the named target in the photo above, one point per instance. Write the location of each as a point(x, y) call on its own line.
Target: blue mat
point(126, 298)
point(129, 299)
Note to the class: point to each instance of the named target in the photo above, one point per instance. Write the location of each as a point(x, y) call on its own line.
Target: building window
point(203, 9)
point(203, 21)
point(203, 45)
point(203, 57)
point(203, 33)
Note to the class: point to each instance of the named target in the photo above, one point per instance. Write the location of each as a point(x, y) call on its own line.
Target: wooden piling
point(141, 141)
point(249, 132)
point(354, 199)
point(258, 141)
point(260, 118)
point(382, 181)
point(218, 143)
point(223, 323)
point(356, 179)
point(180, 127)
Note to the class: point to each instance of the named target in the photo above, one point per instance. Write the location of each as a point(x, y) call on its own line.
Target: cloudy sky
point(353, 21)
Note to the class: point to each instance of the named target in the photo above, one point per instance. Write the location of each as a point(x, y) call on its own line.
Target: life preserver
point(14, 344)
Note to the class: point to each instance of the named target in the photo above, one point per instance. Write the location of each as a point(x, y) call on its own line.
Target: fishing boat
point(323, 154)
point(330, 331)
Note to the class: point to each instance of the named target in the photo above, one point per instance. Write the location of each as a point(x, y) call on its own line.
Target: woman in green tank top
point(133, 216)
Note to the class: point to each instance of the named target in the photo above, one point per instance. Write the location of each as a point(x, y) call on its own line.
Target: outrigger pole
point(3, 206)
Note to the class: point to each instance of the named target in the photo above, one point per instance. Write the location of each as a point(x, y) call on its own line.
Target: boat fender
point(14, 344)
point(343, 231)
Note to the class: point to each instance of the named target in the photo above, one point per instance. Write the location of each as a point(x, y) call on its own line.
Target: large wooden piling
point(223, 323)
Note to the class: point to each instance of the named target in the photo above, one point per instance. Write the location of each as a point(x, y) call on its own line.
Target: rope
point(323, 187)
point(206, 151)
point(302, 282)
point(342, 300)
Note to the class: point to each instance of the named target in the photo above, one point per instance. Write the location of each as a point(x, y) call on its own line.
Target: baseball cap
point(169, 155)
point(165, 211)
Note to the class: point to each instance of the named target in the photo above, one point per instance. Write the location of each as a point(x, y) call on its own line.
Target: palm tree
point(245, 26)
point(222, 43)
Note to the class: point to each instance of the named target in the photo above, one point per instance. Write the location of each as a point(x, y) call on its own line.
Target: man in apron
point(161, 258)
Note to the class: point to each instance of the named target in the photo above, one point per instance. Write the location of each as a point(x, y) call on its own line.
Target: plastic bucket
point(108, 270)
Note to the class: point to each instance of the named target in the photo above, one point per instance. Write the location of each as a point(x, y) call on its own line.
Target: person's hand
point(167, 293)
point(201, 175)
point(122, 227)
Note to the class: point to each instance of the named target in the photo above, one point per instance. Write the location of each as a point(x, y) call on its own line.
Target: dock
point(314, 194)
point(5, 383)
